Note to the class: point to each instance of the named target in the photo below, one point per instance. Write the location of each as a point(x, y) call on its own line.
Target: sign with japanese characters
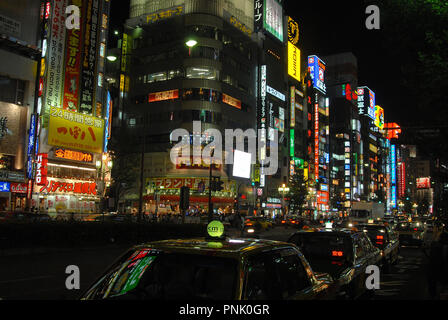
point(73, 64)
point(317, 72)
point(273, 18)
point(89, 57)
point(41, 168)
point(73, 155)
point(231, 101)
point(55, 55)
point(75, 131)
point(67, 186)
point(163, 95)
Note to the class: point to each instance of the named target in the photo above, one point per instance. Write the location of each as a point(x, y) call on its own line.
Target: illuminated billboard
point(293, 31)
point(423, 183)
point(75, 131)
point(163, 95)
point(366, 102)
point(317, 71)
point(268, 15)
point(273, 18)
point(392, 130)
point(379, 117)
point(293, 61)
point(242, 164)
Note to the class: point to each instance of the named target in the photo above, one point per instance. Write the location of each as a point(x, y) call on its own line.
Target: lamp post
point(283, 190)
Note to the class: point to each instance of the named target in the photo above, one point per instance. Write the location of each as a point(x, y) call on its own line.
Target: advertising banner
point(293, 61)
point(379, 117)
point(88, 84)
point(41, 169)
point(67, 186)
point(423, 183)
point(231, 101)
point(273, 18)
point(163, 95)
point(55, 55)
point(317, 72)
point(73, 64)
point(75, 131)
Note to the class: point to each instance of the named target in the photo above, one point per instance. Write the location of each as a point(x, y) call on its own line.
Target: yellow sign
point(293, 31)
point(75, 131)
point(215, 229)
point(379, 117)
point(293, 61)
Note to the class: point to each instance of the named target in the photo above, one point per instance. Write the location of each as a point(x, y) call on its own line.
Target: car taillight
point(415, 229)
point(283, 221)
point(337, 253)
point(379, 237)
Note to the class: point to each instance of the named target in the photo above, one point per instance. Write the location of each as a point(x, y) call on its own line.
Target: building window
point(202, 73)
point(201, 94)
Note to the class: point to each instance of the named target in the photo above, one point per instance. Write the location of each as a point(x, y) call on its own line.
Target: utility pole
point(210, 210)
point(142, 165)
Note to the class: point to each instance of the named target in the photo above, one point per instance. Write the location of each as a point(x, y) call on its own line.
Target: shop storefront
point(60, 196)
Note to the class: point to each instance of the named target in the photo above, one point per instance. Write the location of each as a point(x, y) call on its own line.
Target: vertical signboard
point(366, 102)
point(379, 117)
point(293, 61)
point(293, 106)
point(108, 121)
point(316, 141)
point(41, 169)
point(88, 84)
point(73, 65)
point(273, 18)
point(393, 175)
point(317, 71)
point(55, 55)
point(258, 14)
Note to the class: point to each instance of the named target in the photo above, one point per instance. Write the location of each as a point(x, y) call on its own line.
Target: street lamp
point(283, 190)
point(111, 58)
point(191, 43)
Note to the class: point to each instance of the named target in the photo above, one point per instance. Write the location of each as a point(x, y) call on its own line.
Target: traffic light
point(184, 198)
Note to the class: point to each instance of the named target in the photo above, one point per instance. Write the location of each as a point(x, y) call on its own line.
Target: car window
point(360, 251)
point(261, 282)
point(291, 273)
point(158, 275)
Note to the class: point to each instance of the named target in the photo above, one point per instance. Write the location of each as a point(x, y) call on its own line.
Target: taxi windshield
point(149, 274)
point(326, 252)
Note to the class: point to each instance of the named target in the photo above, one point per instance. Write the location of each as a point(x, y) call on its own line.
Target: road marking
point(26, 279)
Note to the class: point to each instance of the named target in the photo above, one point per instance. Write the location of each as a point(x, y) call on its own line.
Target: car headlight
point(250, 230)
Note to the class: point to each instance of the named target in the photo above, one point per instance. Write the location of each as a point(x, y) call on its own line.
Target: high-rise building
point(65, 155)
point(19, 53)
point(199, 66)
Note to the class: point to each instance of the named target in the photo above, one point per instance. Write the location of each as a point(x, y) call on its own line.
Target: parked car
point(343, 253)
point(202, 269)
point(385, 239)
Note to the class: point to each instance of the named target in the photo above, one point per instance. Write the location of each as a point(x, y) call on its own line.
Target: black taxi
point(209, 269)
point(343, 253)
point(385, 239)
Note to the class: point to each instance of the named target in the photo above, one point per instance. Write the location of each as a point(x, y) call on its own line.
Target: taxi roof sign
point(215, 229)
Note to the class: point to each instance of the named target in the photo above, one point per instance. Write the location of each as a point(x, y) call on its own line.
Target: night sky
point(330, 27)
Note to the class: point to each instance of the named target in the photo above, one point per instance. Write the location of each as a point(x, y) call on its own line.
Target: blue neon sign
point(5, 187)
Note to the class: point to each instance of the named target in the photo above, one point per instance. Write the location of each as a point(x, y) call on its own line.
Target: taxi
point(385, 239)
point(343, 253)
point(410, 233)
point(212, 268)
point(260, 223)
